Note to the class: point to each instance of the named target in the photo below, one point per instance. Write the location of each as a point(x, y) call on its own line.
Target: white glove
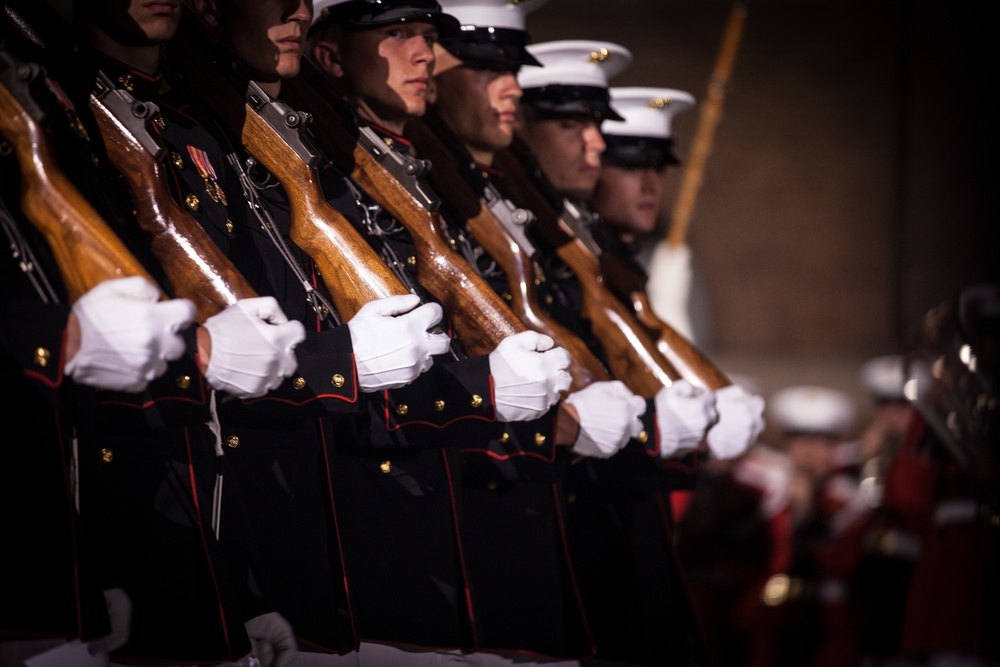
point(272, 639)
point(392, 344)
point(120, 615)
point(741, 420)
point(529, 374)
point(683, 414)
point(253, 347)
point(609, 417)
point(769, 472)
point(127, 335)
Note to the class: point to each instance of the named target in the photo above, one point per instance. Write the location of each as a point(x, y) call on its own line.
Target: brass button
point(323, 310)
point(507, 296)
point(539, 439)
point(42, 357)
point(402, 409)
point(439, 405)
point(107, 456)
point(643, 437)
point(412, 260)
point(233, 442)
point(385, 466)
point(177, 159)
point(229, 226)
point(504, 438)
point(299, 383)
point(192, 202)
point(548, 299)
point(491, 485)
point(780, 588)
point(184, 381)
point(337, 380)
point(570, 498)
point(476, 400)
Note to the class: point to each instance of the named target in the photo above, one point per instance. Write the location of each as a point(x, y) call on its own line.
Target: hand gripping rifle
point(196, 267)
point(86, 249)
point(398, 183)
point(632, 354)
point(275, 136)
point(499, 227)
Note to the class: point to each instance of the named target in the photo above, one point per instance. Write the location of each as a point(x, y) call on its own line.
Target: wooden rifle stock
point(632, 354)
point(479, 316)
point(196, 267)
point(351, 269)
point(682, 354)
point(86, 249)
point(503, 247)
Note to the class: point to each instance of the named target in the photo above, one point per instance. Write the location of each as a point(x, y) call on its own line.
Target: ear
point(327, 57)
point(208, 10)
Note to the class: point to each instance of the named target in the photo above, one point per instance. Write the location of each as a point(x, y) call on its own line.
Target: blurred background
point(851, 182)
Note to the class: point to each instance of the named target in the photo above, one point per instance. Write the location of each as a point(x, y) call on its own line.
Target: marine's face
point(137, 22)
point(812, 454)
point(480, 106)
point(387, 70)
point(628, 198)
point(267, 36)
point(568, 151)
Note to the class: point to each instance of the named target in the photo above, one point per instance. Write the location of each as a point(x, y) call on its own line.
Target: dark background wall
point(851, 183)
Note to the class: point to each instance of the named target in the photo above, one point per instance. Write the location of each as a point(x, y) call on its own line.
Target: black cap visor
point(504, 47)
point(563, 100)
point(364, 14)
point(639, 152)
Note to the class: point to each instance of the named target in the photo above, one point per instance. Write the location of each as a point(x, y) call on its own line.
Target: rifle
point(196, 267)
point(86, 249)
point(398, 184)
point(499, 227)
point(275, 136)
point(630, 287)
point(632, 354)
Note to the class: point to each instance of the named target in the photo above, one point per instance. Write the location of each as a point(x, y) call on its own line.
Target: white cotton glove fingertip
point(741, 422)
point(684, 413)
point(127, 335)
point(120, 617)
point(609, 417)
point(391, 341)
point(272, 639)
point(253, 347)
point(526, 380)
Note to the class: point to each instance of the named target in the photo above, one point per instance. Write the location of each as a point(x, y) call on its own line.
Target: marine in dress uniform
point(51, 599)
point(159, 612)
point(619, 523)
point(146, 458)
point(524, 594)
point(807, 614)
point(896, 472)
point(952, 378)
